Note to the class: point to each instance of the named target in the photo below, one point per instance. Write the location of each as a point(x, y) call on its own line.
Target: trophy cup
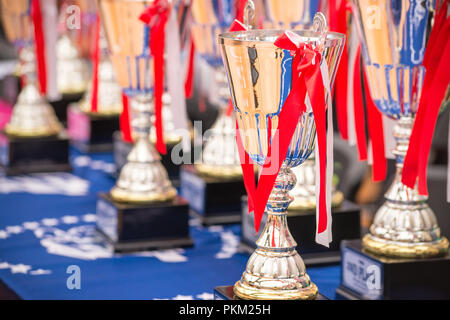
point(214, 186)
point(259, 76)
point(296, 14)
point(33, 140)
point(404, 251)
point(142, 211)
point(92, 131)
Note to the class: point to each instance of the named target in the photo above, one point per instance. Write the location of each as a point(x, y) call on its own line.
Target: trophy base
point(303, 203)
point(122, 148)
point(368, 276)
point(213, 200)
point(227, 293)
point(91, 132)
point(20, 155)
point(401, 250)
point(61, 106)
point(135, 227)
point(346, 225)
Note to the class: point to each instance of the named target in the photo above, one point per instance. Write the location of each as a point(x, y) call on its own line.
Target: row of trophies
point(403, 255)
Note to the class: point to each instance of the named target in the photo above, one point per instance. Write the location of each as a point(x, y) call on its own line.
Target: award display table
point(346, 225)
point(213, 200)
point(91, 132)
point(367, 276)
point(28, 155)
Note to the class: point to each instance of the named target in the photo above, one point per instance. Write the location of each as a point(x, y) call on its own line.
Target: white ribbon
point(352, 46)
point(326, 236)
point(50, 21)
point(175, 81)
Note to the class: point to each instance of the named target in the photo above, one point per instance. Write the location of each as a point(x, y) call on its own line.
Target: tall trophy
point(260, 78)
point(33, 140)
point(91, 129)
point(214, 185)
point(404, 251)
point(297, 14)
point(142, 211)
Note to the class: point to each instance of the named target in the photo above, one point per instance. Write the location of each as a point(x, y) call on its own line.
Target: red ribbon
point(435, 84)
point(338, 23)
point(125, 120)
point(156, 16)
point(240, 7)
point(36, 17)
point(189, 82)
point(95, 63)
point(358, 108)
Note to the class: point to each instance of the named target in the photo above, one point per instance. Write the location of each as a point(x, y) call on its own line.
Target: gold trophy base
point(301, 203)
point(405, 250)
point(122, 195)
point(246, 292)
point(32, 132)
point(226, 172)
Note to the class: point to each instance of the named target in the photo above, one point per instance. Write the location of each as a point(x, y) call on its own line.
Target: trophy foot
point(309, 203)
point(226, 172)
point(396, 249)
point(124, 195)
point(272, 275)
point(247, 292)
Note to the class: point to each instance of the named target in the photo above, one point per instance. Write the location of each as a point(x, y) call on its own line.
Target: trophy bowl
point(394, 38)
point(259, 76)
point(142, 179)
point(32, 115)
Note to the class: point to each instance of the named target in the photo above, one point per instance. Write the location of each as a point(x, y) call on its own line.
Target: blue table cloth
point(47, 225)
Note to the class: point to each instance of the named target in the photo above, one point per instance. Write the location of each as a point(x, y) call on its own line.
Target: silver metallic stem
point(143, 178)
point(275, 270)
point(404, 226)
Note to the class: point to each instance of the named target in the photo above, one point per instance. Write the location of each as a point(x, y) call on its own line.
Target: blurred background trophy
point(93, 120)
point(298, 14)
point(214, 186)
point(404, 238)
point(258, 73)
point(142, 210)
point(34, 140)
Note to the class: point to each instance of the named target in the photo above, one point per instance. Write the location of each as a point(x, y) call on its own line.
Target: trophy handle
point(249, 15)
point(320, 26)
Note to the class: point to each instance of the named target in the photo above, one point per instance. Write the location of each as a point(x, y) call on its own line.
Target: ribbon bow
point(156, 16)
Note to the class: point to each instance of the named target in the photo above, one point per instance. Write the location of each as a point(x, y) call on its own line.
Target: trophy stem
point(405, 226)
point(275, 270)
point(32, 115)
point(143, 179)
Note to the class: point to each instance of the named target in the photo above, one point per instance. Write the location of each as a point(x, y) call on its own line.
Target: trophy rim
point(268, 36)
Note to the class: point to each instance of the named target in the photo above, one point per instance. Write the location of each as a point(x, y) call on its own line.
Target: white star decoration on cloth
point(4, 265)
point(20, 268)
point(90, 217)
point(30, 225)
point(205, 296)
point(70, 219)
point(181, 297)
point(50, 222)
point(39, 272)
point(14, 229)
point(3, 234)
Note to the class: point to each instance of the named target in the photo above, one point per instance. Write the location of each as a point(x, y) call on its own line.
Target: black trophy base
point(122, 149)
point(346, 225)
point(135, 227)
point(212, 200)
point(32, 155)
point(226, 293)
point(90, 132)
point(365, 276)
point(61, 106)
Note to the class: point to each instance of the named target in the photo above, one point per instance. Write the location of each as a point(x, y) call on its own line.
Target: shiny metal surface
point(71, 70)
point(170, 137)
point(109, 92)
point(394, 35)
point(32, 115)
point(260, 79)
point(220, 157)
point(143, 178)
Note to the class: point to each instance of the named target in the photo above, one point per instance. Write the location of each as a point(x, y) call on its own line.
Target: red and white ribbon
point(50, 20)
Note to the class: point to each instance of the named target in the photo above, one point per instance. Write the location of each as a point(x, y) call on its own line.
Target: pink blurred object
point(5, 113)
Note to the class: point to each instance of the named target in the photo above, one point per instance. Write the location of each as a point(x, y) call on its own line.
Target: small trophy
point(142, 211)
point(214, 186)
point(260, 78)
point(92, 130)
point(33, 140)
point(404, 251)
point(296, 14)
